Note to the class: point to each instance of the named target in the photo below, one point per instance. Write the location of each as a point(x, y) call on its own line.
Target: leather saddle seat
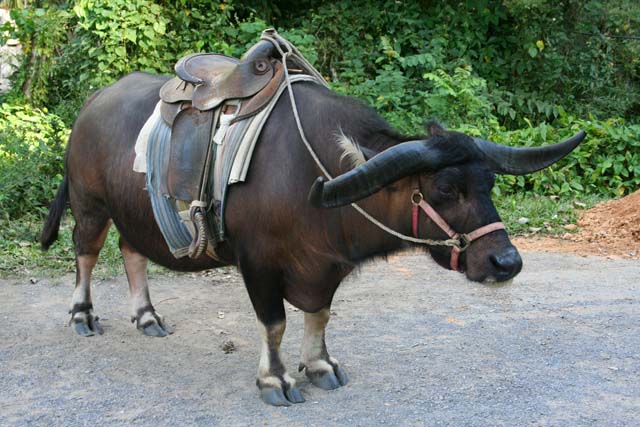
point(206, 80)
point(203, 83)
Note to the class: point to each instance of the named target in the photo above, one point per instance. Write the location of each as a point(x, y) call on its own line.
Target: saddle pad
point(176, 233)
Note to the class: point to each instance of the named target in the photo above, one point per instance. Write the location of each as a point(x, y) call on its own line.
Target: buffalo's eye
point(447, 191)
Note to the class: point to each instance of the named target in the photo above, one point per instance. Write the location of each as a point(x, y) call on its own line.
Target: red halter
point(465, 239)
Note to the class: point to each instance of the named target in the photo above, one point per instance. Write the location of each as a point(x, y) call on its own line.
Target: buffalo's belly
point(133, 216)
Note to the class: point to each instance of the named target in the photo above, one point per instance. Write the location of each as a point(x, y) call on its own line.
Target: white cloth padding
point(140, 162)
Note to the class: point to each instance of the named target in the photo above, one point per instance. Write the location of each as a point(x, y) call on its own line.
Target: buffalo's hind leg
point(147, 319)
point(322, 370)
point(265, 290)
point(89, 235)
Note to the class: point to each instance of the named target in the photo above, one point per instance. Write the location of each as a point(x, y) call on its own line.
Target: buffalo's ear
point(435, 129)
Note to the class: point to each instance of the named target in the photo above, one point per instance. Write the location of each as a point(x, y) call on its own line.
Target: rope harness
point(457, 241)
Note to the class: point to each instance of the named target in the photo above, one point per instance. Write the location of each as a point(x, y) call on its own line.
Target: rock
point(570, 227)
point(228, 347)
point(523, 220)
point(567, 236)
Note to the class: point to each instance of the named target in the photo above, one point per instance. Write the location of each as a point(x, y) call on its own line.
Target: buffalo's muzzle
point(507, 264)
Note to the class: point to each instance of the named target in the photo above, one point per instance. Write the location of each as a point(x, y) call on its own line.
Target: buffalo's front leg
point(321, 369)
point(275, 384)
point(147, 319)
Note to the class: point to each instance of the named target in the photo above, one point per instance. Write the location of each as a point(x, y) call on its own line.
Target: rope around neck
point(276, 40)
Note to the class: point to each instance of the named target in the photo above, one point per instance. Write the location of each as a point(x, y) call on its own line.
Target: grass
point(20, 253)
point(544, 215)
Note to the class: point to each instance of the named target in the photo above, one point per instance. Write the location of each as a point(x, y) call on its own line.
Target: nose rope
point(465, 238)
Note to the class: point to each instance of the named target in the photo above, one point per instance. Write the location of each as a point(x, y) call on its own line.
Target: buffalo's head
point(455, 174)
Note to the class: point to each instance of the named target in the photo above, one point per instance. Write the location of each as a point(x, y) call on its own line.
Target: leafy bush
point(32, 145)
point(42, 32)
point(120, 36)
point(606, 163)
point(198, 26)
point(460, 98)
point(537, 57)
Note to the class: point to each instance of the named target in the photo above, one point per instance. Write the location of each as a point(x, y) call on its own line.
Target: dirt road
point(560, 347)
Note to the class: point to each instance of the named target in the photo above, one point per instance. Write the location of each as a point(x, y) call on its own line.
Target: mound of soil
point(611, 229)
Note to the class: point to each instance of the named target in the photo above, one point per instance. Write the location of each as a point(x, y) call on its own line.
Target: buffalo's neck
point(391, 207)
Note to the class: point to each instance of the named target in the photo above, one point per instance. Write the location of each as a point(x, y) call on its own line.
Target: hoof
point(85, 323)
point(277, 397)
point(88, 330)
point(156, 330)
point(342, 376)
point(293, 395)
point(151, 324)
point(328, 380)
point(274, 397)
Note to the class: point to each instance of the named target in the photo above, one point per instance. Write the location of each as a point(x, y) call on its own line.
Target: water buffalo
point(287, 241)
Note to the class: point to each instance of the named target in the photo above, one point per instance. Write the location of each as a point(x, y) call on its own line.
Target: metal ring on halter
point(417, 197)
point(464, 242)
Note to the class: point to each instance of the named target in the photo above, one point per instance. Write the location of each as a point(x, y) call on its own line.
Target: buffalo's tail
point(56, 212)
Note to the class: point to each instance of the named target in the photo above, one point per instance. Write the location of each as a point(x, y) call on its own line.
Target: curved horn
point(521, 161)
point(384, 168)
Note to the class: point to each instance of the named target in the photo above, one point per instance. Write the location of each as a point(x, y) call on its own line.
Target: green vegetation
point(518, 72)
point(20, 253)
point(607, 163)
point(543, 214)
point(31, 158)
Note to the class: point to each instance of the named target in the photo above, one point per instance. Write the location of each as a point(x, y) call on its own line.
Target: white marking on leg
point(80, 317)
point(84, 268)
point(314, 349)
point(135, 265)
point(263, 364)
point(146, 317)
point(82, 291)
point(322, 369)
point(271, 338)
point(318, 365)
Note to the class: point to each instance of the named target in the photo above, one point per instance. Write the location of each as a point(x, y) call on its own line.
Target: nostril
point(497, 262)
point(507, 265)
